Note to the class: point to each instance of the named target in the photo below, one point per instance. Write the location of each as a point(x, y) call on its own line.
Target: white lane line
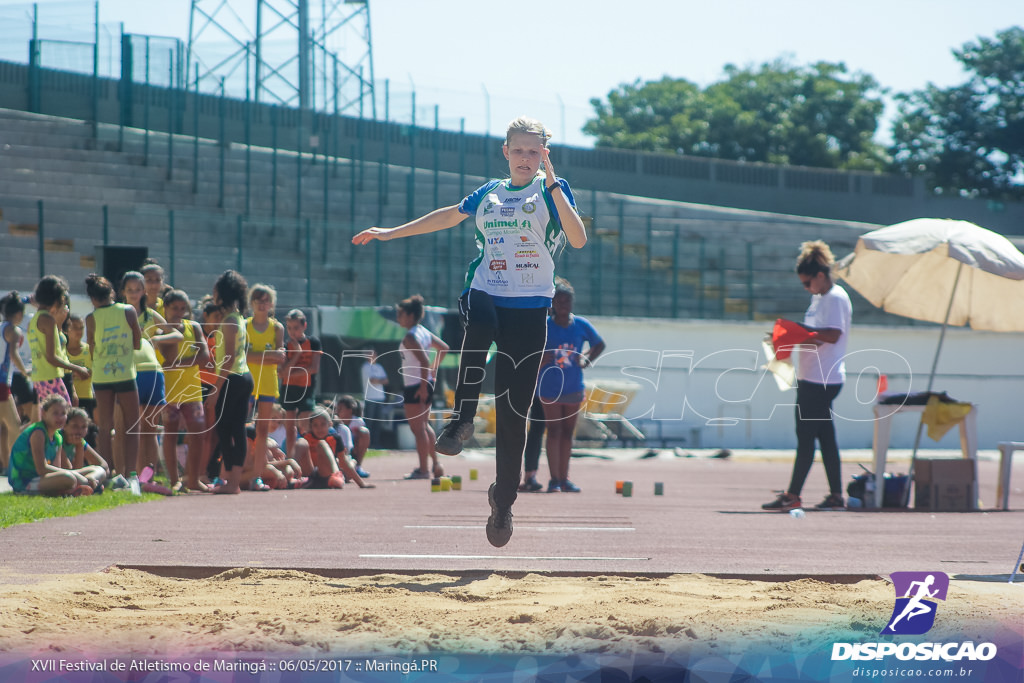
point(533, 528)
point(495, 557)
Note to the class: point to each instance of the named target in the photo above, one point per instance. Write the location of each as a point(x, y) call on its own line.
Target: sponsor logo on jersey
point(527, 254)
point(501, 224)
point(529, 207)
point(529, 265)
point(508, 211)
point(497, 264)
point(495, 240)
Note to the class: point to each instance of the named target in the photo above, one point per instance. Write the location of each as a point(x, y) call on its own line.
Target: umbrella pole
point(931, 382)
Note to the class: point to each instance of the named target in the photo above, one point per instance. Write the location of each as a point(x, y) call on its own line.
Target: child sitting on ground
point(281, 471)
point(83, 457)
point(321, 453)
point(347, 412)
point(278, 431)
point(38, 463)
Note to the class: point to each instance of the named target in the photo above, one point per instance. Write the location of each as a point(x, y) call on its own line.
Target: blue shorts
point(151, 388)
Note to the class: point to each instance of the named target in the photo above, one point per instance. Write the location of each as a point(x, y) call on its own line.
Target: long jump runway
point(708, 521)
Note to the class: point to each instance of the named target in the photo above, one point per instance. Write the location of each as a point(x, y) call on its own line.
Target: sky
point(548, 58)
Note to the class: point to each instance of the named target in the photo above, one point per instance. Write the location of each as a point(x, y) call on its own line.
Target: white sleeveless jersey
point(6, 364)
point(518, 235)
point(411, 367)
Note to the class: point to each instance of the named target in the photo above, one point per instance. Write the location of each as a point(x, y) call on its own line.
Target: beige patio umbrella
point(943, 271)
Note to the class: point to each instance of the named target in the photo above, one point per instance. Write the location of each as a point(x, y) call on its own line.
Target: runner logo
point(916, 593)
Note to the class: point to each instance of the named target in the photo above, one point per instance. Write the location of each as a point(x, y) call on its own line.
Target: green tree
point(819, 115)
point(968, 139)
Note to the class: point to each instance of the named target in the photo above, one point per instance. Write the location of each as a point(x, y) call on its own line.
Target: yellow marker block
point(446, 483)
point(456, 483)
point(473, 474)
point(435, 485)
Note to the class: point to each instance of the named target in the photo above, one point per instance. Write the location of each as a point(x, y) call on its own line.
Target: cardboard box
point(944, 485)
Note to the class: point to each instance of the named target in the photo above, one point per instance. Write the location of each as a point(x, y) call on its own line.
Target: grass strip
point(21, 509)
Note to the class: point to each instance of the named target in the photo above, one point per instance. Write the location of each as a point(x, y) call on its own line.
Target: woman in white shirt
point(820, 373)
point(418, 373)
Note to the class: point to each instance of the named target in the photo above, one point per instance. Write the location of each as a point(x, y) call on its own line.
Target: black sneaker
point(452, 437)
point(554, 486)
point(531, 485)
point(499, 524)
point(784, 503)
point(833, 502)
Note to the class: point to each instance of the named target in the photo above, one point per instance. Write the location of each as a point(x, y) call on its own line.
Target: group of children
point(236, 390)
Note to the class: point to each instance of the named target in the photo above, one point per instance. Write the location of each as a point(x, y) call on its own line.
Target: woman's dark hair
point(352, 403)
point(79, 412)
point(11, 305)
point(98, 287)
point(231, 288)
point(66, 325)
point(815, 257)
point(208, 306)
point(51, 290)
point(134, 275)
point(563, 286)
point(175, 295)
point(150, 265)
point(413, 306)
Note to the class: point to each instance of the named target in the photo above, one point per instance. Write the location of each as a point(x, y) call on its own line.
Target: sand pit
point(129, 612)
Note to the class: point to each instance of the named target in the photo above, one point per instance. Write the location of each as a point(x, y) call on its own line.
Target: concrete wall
point(703, 381)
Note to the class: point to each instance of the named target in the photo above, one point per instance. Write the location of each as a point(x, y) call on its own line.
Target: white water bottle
point(134, 485)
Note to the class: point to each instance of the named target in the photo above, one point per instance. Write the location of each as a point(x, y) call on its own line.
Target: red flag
point(786, 334)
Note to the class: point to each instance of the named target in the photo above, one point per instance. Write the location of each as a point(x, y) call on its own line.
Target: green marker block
point(627, 489)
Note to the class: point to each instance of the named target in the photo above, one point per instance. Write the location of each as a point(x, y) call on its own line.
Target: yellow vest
point(264, 375)
point(83, 387)
point(42, 371)
point(183, 384)
point(238, 364)
point(147, 359)
point(113, 359)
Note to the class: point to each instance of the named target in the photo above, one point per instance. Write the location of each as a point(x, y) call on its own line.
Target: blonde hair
point(815, 257)
point(524, 125)
point(260, 290)
point(52, 400)
point(321, 412)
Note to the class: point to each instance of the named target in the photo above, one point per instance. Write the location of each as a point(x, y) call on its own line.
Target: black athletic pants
point(814, 423)
point(520, 335)
point(534, 437)
point(232, 411)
